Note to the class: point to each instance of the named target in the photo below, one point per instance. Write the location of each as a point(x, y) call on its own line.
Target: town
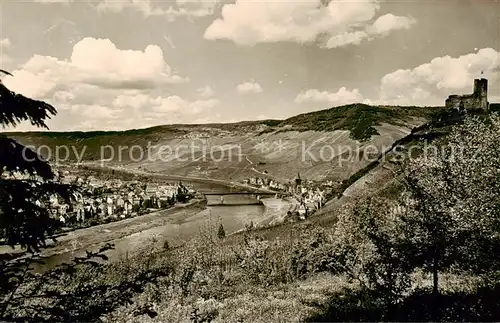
point(99, 199)
point(307, 194)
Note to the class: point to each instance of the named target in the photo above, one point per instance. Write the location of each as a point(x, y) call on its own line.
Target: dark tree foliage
point(15, 108)
point(26, 184)
point(23, 218)
point(221, 233)
point(182, 193)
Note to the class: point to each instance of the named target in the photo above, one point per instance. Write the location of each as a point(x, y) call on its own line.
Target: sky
point(123, 64)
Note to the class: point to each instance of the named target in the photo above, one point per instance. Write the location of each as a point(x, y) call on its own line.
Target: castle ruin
point(475, 101)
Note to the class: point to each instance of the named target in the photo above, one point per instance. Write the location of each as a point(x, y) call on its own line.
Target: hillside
point(360, 119)
point(382, 177)
point(320, 145)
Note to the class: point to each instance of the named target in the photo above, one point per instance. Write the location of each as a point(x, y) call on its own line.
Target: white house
point(109, 209)
point(151, 189)
point(167, 190)
point(80, 212)
point(302, 211)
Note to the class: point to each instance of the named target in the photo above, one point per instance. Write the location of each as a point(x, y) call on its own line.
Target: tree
point(26, 180)
point(181, 194)
point(166, 245)
point(221, 233)
point(26, 184)
point(373, 249)
point(447, 217)
point(452, 200)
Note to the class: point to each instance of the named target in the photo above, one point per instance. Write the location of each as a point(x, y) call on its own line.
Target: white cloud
point(341, 97)
point(209, 119)
point(346, 38)
point(334, 23)
point(64, 97)
point(200, 106)
point(135, 102)
point(174, 109)
point(143, 6)
point(125, 111)
point(169, 104)
point(182, 8)
point(196, 8)
point(380, 28)
point(426, 85)
point(150, 8)
point(161, 104)
point(136, 111)
point(95, 112)
point(93, 62)
point(384, 24)
point(249, 87)
point(175, 103)
point(431, 83)
point(206, 91)
point(106, 87)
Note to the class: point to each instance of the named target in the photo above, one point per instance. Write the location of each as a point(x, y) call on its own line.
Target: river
point(174, 225)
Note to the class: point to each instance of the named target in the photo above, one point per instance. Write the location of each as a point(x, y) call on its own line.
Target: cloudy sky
point(121, 64)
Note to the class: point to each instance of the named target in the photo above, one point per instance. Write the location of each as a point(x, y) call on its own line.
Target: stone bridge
point(236, 198)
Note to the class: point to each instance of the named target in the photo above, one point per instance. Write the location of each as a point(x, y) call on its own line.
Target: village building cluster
point(100, 200)
point(309, 195)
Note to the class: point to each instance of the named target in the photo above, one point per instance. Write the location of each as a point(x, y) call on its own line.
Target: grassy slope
point(359, 119)
point(380, 177)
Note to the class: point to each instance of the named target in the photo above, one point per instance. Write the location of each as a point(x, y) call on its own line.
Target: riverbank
point(75, 242)
point(275, 213)
point(279, 216)
point(103, 233)
point(174, 226)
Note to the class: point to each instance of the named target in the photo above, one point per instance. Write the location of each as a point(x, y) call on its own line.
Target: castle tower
point(475, 101)
point(481, 93)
